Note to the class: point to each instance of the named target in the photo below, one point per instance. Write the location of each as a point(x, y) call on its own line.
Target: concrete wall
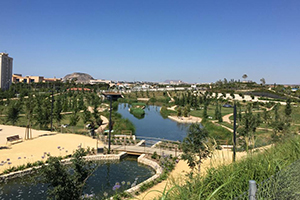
point(141, 159)
point(153, 165)
point(66, 161)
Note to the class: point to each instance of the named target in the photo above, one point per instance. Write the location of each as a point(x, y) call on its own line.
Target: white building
point(6, 64)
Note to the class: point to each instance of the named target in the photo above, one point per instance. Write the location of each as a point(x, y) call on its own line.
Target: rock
point(78, 77)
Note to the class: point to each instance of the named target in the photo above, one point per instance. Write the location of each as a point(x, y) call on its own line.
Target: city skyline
point(194, 41)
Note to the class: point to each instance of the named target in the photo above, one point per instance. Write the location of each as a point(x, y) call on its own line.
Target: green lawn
point(218, 132)
point(211, 112)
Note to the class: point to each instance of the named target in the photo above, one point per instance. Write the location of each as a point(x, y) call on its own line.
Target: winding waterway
point(154, 125)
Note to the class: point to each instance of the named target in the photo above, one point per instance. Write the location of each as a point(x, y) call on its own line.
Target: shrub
point(137, 112)
point(154, 155)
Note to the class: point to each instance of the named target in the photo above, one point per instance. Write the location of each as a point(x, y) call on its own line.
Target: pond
point(126, 172)
point(154, 125)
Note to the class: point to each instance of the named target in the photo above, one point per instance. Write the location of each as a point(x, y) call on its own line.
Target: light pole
point(234, 132)
point(110, 123)
point(52, 101)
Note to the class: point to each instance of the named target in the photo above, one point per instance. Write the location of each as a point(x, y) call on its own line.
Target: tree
point(86, 116)
point(58, 107)
point(281, 124)
point(288, 108)
point(65, 183)
point(81, 102)
point(248, 126)
point(263, 81)
point(205, 116)
point(195, 146)
point(29, 109)
point(42, 111)
point(186, 110)
point(245, 76)
point(217, 111)
point(232, 95)
point(65, 104)
point(266, 116)
point(13, 112)
point(276, 107)
point(74, 119)
point(179, 111)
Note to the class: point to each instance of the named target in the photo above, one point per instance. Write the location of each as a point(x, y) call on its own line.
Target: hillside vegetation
point(228, 182)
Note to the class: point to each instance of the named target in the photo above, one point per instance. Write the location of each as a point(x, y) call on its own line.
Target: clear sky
point(154, 40)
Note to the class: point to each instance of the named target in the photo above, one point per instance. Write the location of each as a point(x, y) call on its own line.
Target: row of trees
point(38, 108)
point(24, 89)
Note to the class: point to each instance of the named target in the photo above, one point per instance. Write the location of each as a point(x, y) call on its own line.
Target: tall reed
point(229, 181)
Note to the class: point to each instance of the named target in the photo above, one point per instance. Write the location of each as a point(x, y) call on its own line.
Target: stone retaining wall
point(152, 164)
point(65, 161)
point(140, 143)
point(141, 159)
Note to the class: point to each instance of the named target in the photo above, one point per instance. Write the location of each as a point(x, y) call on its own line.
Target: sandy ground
point(15, 130)
point(143, 99)
point(56, 144)
point(189, 119)
point(220, 157)
point(172, 108)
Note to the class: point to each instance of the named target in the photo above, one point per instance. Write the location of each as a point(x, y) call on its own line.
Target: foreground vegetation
point(228, 182)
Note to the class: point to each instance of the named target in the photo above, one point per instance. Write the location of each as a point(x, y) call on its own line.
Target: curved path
point(226, 117)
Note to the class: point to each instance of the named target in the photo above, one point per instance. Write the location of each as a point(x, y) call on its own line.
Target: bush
point(137, 112)
point(154, 155)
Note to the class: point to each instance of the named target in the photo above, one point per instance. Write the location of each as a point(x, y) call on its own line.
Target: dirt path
point(172, 99)
point(172, 108)
point(105, 123)
point(216, 123)
point(226, 117)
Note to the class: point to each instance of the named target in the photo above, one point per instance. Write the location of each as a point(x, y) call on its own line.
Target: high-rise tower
point(6, 64)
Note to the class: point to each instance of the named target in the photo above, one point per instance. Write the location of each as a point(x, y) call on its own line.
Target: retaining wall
point(141, 159)
point(66, 161)
point(152, 164)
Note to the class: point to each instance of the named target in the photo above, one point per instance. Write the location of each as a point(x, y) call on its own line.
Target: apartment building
point(6, 64)
point(18, 78)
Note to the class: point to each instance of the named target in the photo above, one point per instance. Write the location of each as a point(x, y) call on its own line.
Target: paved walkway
point(142, 149)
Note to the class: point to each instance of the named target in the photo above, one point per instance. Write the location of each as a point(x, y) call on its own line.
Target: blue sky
point(154, 40)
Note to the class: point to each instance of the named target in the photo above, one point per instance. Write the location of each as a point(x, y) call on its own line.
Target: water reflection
point(154, 125)
point(104, 178)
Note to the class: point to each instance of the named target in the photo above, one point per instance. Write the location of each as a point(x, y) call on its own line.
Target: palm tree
point(263, 81)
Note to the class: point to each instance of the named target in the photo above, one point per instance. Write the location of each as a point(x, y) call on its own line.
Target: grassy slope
point(232, 180)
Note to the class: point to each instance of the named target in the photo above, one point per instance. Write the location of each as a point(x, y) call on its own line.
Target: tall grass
point(228, 182)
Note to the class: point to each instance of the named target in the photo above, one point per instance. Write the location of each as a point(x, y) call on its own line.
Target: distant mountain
point(78, 77)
